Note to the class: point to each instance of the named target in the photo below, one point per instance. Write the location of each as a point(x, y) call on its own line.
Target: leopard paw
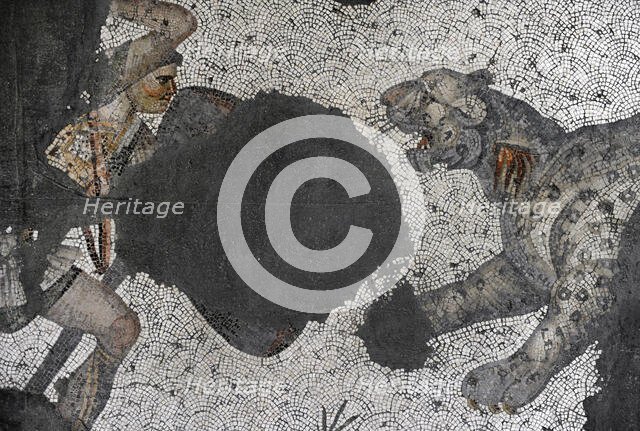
point(506, 385)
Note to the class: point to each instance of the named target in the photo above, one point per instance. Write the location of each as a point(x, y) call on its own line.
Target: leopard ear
point(473, 108)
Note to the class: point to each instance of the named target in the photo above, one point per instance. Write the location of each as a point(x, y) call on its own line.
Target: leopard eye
point(448, 135)
point(163, 79)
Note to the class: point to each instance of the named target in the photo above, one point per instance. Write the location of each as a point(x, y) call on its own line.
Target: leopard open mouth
point(420, 159)
point(420, 155)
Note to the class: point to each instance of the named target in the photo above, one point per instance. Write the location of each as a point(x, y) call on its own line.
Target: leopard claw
point(494, 408)
point(473, 405)
point(508, 409)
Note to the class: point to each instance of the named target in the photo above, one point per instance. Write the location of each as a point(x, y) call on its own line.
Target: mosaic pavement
point(575, 63)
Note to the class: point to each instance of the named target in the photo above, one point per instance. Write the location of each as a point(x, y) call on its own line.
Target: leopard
point(559, 256)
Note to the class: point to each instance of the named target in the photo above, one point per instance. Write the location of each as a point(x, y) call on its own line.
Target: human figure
point(93, 152)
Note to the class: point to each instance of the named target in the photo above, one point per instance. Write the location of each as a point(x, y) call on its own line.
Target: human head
point(148, 85)
point(153, 93)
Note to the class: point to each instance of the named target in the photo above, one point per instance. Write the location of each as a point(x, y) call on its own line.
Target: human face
point(153, 93)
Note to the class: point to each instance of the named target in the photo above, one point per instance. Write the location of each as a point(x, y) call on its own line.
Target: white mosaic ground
point(576, 63)
point(182, 375)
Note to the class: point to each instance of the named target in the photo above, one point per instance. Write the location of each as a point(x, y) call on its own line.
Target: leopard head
point(443, 110)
